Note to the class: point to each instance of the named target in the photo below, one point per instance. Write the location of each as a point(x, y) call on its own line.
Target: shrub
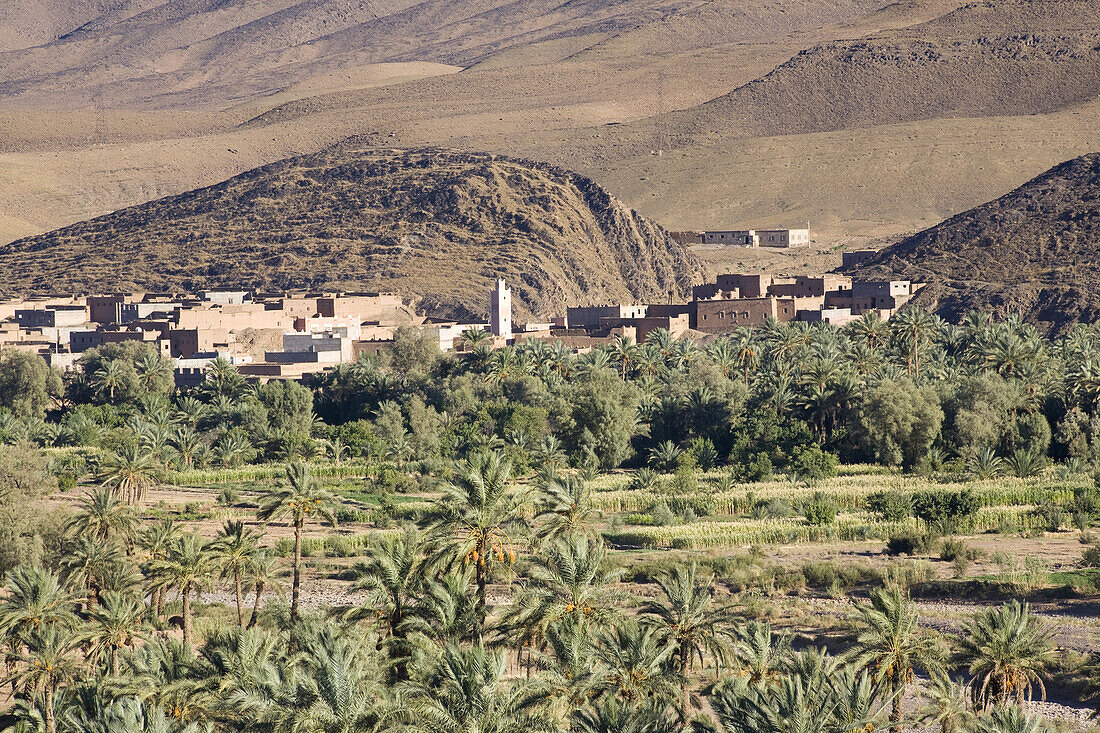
point(662, 515)
point(759, 468)
point(1091, 557)
point(952, 549)
point(820, 510)
point(772, 509)
point(944, 508)
point(228, 497)
point(911, 542)
point(704, 453)
point(892, 506)
point(66, 482)
point(812, 464)
point(683, 481)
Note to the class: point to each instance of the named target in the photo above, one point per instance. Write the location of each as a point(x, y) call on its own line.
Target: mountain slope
point(1034, 251)
point(431, 224)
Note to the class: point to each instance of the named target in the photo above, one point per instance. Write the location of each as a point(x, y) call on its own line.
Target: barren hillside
point(430, 224)
point(1034, 252)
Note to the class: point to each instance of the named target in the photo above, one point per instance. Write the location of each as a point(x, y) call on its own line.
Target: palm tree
point(34, 599)
point(299, 498)
point(890, 647)
point(263, 574)
point(473, 337)
point(90, 562)
point(1005, 651)
point(565, 506)
point(467, 692)
point(104, 517)
point(336, 690)
point(632, 664)
point(118, 623)
point(477, 510)
point(234, 548)
point(946, 706)
point(759, 654)
point(568, 581)
point(912, 328)
point(1010, 719)
point(188, 446)
point(394, 573)
point(51, 660)
point(664, 455)
point(156, 541)
point(129, 472)
point(623, 350)
point(188, 566)
point(686, 618)
point(152, 369)
point(110, 377)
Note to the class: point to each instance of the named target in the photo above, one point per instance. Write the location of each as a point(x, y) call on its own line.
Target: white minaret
point(500, 310)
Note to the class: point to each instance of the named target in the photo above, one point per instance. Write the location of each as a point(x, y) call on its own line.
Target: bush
point(228, 497)
point(945, 508)
point(66, 482)
point(911, 542)
point(892, 506)
point(1091, 557)
point(704, 453)
point(812, 464)
point(820, 510)
point(759, 468)
point(772, 509)
point(662, 515)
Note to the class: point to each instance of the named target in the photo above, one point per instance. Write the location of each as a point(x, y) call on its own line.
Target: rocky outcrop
point(434, 225)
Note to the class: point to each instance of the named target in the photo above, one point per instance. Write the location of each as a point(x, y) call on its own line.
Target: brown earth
point(866, 118)
point(1033, 252)
point(438, 226)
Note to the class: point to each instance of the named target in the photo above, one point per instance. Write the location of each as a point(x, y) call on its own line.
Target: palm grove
point(496, 609)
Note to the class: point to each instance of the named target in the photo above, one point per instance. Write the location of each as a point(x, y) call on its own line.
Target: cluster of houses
point(289, 336)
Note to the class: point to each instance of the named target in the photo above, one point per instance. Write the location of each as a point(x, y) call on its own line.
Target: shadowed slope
point(432, 224)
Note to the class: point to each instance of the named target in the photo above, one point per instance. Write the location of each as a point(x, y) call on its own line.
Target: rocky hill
point(1034, 252)
point(430, 224)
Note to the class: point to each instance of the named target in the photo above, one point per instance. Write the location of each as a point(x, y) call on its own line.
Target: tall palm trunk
point(297, 571)
point(240, 598)
point(256, 604)
point(51, 724)
point(187, 615)
point(896, 709)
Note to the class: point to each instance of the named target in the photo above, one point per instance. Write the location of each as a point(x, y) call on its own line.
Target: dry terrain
point(431, 224)
point(1032, 252)
point(867, 118)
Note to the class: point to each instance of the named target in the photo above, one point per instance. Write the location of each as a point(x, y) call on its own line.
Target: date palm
point(477, 510)
point(299, 498)
point(156, 541)
point(130, 472)
point(188, 566)
point(891, 647)
point(760, 654)
point(52, 658)
point(1005, 651)
point(187, 446)
point(88, 561)
point(945, 705)
point(111, 377)
point(394, 574)
point(632, 664)
point(687, 617)
point(152, 370)
point(565, 507)
point(35, 598)
point(263, 575)
point(467, 692)
point(103, 516)
point(234, 548)
point(117, 623)
point(568, 580)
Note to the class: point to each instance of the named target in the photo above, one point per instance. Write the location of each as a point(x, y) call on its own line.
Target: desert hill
point(430, 224)
point(1034, 252)
point(868, 118)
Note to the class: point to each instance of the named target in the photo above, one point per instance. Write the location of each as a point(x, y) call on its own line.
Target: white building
point(500, 311)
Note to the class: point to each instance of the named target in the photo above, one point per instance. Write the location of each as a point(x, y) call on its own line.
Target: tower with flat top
point(500, 310)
